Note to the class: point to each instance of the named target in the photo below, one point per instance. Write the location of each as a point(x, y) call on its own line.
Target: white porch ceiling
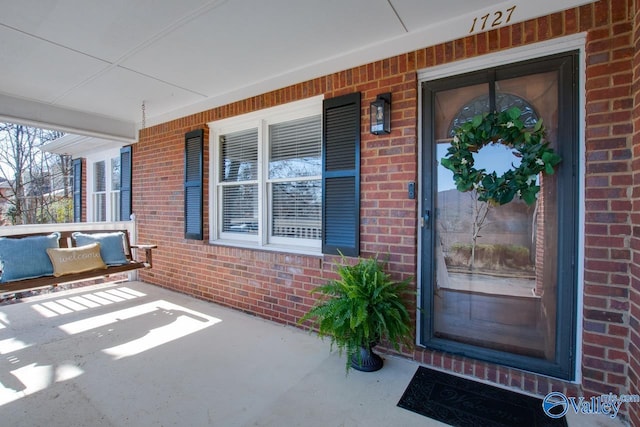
point(86, 66)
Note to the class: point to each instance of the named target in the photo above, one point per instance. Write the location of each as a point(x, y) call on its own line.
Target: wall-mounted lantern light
point(380, 114)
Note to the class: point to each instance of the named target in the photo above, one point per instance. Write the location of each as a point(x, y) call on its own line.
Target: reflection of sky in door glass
point(497, 157)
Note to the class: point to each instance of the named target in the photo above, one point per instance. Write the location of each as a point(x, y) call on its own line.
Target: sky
point(496, 157)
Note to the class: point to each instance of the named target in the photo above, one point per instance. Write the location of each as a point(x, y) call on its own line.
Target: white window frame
point(111, 196)
point(261, 120)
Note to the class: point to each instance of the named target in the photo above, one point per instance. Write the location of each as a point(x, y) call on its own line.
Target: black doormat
point(464, 403)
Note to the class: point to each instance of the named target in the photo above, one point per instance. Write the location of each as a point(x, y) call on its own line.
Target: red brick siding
point(609, 111)
point(271, 284)
point(276, 286)
point(633, 302)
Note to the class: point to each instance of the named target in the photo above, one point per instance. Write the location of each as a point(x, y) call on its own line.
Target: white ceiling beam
point(47, 116)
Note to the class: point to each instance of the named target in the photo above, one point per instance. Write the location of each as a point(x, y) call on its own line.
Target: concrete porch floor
point(133, 354)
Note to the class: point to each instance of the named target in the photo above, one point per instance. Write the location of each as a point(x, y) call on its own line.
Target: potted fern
point(359, 309)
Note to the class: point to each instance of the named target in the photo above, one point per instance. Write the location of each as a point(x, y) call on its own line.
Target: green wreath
point(508, 129)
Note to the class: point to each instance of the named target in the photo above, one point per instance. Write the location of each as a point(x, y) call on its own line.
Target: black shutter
point(77, 190)
point(125, 183)
point(341, 175)
point(193, 143)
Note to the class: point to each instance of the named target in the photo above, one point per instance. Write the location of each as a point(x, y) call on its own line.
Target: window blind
point(297, 209)
point(239, 168)
point(99, 176)
point(239, 156)
point(240, 209)
point(295, 148)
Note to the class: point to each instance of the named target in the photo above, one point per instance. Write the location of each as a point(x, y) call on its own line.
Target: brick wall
point(608, 169)
point(276, 286)
point(634, 297)
point(271, 284)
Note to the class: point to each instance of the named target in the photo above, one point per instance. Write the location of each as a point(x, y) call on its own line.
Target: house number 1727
point(492, 20)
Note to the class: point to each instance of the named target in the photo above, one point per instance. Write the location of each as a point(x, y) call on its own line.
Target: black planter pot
point(366, 360)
